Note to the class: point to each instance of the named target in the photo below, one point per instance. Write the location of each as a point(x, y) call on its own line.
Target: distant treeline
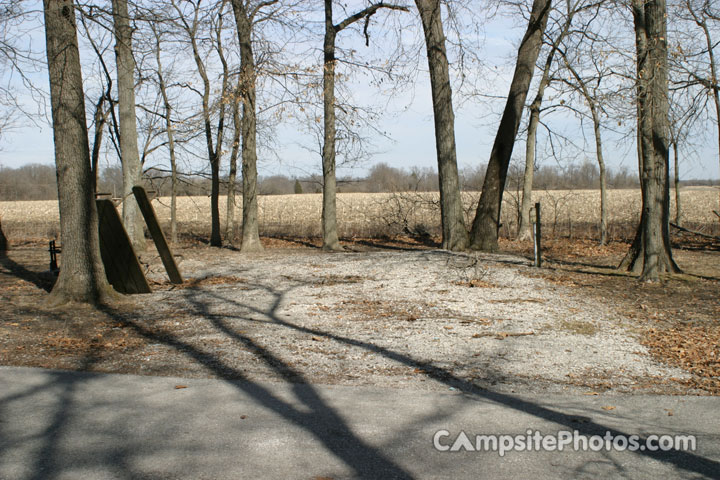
point(37, 182)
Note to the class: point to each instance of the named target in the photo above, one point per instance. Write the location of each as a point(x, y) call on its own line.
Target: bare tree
point(524, 229)
point(213, 139)
point(590, 89)
point(329, 212)
point(703, 12)
point(130, 157)
point(485, 227)
point(455, 235)
point(246, 13)
point(169, 129)
point(230, 224)
point(82, 276)
point(651, 247)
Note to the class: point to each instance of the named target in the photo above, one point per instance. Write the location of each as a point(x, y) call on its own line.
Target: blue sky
point(411, 131)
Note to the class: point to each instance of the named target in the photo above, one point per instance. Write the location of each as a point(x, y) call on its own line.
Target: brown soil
point(678, 319)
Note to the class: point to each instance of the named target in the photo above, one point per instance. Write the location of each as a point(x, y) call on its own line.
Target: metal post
point(537, 236)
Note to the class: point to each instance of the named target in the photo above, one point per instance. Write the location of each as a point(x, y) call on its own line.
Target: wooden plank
point(157, 235)
point(121, 264)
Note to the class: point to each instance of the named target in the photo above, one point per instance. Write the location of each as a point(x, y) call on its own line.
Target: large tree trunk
point(131, 167)
point(329, 210)
point(455, 235)
point(82, 276)
point(251, 229)
point(485, 228)
point(652, 85)
point(230, 224)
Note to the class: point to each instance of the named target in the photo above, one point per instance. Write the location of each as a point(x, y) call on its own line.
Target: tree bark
point(525, 227)
point(82, 276)
point(230, 224)
point(603, 175)
point(251, 229)
point(329, 210)
point(652, 85)
point(455, 234)
point(486, 225)
point(131, 166)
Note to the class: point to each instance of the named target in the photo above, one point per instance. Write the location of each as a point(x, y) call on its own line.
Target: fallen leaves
point(695, 348)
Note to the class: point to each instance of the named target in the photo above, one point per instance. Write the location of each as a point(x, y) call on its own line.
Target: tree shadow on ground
point(42, 280)
point(315, 416)
point(684, 460)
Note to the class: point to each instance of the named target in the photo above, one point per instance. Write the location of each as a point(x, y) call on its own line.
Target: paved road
point(65, 425)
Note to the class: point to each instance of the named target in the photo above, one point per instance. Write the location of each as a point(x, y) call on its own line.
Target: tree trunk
point(678, 210)
point(485, 228)
point(131, 167)
point(230, 224)
point(525, 227)
point(652, 84)
point(215, 237)
point(82, 276)
point(171, 140)
point(100, 117)
point(455, 235)
point(329, 210)
point(251, 229)
point(603, 176)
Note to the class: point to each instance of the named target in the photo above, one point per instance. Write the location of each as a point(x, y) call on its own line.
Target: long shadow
point(688, 461)
point(19, 271)
point(320, 419)
point(610, 271)
point(64, 387)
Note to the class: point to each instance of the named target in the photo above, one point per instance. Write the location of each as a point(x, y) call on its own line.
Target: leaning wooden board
point(157, 234)
point(121, 264)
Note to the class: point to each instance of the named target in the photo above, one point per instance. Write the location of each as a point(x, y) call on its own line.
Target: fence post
point(537, 236)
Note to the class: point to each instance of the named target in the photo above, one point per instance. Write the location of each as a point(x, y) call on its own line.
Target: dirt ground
point(393, 312)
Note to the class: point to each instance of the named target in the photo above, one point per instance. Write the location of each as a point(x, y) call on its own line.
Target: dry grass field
point(675, 321)
point(565, 213)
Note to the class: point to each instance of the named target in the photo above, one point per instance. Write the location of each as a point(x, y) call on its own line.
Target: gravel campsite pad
point(422, 319)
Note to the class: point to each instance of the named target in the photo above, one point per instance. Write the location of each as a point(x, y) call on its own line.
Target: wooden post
point(537, 236)
point(121, 264)
point(157, 235)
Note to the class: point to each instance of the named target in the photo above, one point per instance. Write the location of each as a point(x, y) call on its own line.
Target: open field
point(295, 313)
point(565, 212)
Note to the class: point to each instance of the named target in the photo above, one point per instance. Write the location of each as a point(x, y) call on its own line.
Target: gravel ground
point(418, 319)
